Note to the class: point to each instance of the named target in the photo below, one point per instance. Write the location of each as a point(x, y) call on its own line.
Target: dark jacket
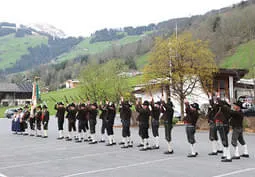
point(26, 115)
point(222, 113)
point(144, 115)
point(155, 112)
point(45, 116)
point(191, 115)
point(236, 120)
point(104, 112)
point(168, 112)
point(93, 114)
point(71, 113)
point(125, 111)
point(111, 113)
point(60, 112)
point(212, 110)
point(38, 115)
point(82, 115)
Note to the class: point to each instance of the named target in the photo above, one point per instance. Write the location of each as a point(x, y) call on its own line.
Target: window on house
point(222, 84)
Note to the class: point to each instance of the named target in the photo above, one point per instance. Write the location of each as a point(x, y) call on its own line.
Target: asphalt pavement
point(25, 156)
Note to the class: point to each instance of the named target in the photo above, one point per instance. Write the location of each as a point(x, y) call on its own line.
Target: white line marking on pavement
point(119, 167)
point(235, 172)
point(2, 175)
point(42, 149)
point(49, 161)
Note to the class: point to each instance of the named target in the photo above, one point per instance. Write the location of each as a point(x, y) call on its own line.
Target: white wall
point(198, 96)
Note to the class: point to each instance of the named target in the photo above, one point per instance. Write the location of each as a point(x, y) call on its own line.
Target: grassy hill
point(141, 61)
point(12, 48)
point(85, 47)
point(243, 57)
point(59, 96)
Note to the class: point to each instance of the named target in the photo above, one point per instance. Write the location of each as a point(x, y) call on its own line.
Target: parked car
point(247, 101)
point(9, 112)
point(250, 111)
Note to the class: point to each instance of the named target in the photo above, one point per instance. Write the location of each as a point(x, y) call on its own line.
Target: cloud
point(80, 17)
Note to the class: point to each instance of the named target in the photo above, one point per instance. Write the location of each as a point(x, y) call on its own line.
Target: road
point(24, 156)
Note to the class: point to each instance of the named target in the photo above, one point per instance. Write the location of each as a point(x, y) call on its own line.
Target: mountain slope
point(87, 48)
point(243, 57)
point(12, 48)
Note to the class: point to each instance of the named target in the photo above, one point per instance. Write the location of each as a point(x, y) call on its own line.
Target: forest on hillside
point(224, 29)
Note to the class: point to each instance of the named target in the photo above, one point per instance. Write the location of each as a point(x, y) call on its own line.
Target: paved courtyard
point(24, 156)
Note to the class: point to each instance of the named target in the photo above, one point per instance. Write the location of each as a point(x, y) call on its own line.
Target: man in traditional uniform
point(103, 116)
point(125, 116)
point(213, 137)
point(139, 128)
point(25, 118)
point(110, 122)
point(60, 115)
point(143, 118)
point(155, 113)
point(93, 121)
point(71, 116)
point(168, 112)
point(38, 119)
point(32, 120)
point(45, 121)
point(82, 121)
point(237, 125)
point(190, 121)
point(222, 117)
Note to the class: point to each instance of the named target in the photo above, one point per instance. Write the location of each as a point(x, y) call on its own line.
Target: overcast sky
point(83, 17)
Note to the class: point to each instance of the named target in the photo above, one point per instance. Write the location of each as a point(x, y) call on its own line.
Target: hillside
point(12, 48)
point(243, 57)
point(87, 48)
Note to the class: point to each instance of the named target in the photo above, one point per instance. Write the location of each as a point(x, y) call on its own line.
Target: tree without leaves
point(191, 61)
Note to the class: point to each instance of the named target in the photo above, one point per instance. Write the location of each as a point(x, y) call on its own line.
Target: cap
point(170, 103)
point(239, 103)
point(195, 105)
point(72, 105)
point(82, 105)
point(146, 103)
point(158, 103)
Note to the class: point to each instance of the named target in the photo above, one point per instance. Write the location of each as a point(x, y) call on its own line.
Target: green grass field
point(244, 57)
point(12, 48)
point(59, 96)
point(141, 61)
point(2, 109)
point(85, 47)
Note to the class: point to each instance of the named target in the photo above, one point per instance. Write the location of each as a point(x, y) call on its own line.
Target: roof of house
point(236, 73)
point(19, 88)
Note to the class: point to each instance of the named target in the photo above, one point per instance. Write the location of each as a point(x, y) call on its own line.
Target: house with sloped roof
point(225, 85)
point(12, 94)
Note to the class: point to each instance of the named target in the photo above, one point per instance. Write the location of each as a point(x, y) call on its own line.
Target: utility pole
point(170, 62)
point(253, 75)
